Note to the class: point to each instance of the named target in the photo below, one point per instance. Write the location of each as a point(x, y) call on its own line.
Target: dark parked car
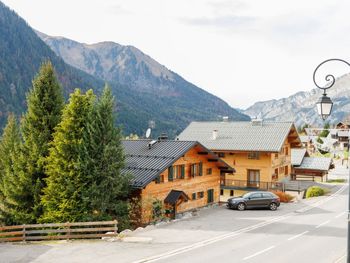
point(254, 200)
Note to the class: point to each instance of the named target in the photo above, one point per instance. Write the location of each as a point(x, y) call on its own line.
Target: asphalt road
point(313, 234)
point(312, 230)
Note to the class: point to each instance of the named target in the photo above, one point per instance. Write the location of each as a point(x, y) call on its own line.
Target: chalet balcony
point(250, 185)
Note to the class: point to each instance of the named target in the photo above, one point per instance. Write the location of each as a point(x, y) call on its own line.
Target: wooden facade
point(257, 170)
point(196, 174)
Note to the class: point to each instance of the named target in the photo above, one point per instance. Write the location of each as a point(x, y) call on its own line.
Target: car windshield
point(246, 195)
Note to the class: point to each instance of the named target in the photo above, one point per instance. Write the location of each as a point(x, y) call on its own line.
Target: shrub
point(284, 197)
point(314, 191)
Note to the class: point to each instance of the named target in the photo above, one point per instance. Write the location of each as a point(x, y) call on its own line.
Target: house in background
point(309, 168)
point(259, 151)
point(182, 175)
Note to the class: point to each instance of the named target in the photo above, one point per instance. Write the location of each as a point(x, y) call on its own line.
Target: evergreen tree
point(45, 103)
point(66, 196)
point(109, 188)
point(15, 188)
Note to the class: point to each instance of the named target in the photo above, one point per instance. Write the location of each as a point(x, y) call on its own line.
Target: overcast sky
point(242, 51)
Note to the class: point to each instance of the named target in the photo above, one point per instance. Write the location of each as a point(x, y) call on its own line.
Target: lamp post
point(324, 109)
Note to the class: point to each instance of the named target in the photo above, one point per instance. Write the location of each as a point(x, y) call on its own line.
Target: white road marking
point(340, 259)
point(324, 223)
point(340, 215)
point(260, 252)
point(232, 234)
point(299, 235)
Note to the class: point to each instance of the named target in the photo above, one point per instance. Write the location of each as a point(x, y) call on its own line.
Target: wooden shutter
point(182, 176)
point(170, 173)
point(200, 167)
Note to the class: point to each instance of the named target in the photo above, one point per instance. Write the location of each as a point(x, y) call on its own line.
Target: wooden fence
point(58, 231)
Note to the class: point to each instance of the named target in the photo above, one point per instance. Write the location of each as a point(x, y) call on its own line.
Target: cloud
point(116, 9)
point(221, 21)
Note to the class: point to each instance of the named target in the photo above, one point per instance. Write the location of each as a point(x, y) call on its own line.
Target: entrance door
point(253, 179)
point(210, 196)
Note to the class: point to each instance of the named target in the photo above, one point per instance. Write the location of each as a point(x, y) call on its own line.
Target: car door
point(254, 200)
point(266, 199)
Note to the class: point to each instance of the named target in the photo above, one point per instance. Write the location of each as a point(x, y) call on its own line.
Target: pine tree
point(66, 196)
point(15, 189)
point(109, 188)
point(45, 103)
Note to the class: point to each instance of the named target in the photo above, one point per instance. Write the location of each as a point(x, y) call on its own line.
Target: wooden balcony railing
point(252, 184)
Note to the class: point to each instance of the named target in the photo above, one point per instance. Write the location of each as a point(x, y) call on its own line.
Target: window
point(221, 191)
point(159, 179)
point(209, 171)
point(267, 195)
point(194, 196)
point(200, 194)
point(221, 155)
point(196, 169)
point(231, 192)
point(281, 170)
point(253, 156)
point(255, 196)
point(276, 155)
point(179, 171)
point(286, 150)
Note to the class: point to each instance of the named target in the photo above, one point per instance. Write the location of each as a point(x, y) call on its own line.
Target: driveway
point(216, 233)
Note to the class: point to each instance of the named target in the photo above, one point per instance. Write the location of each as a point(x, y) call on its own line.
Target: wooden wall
point(189, 184)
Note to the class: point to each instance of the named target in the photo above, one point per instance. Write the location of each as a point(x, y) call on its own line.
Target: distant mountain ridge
point(178, 100)
point(172, 105)
point(301, 107)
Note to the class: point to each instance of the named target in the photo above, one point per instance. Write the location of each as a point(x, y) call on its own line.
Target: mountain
point(170, 107)
point(301, 107)
point(175, 100)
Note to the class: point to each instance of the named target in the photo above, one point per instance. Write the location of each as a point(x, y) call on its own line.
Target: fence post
point(24, 233)
point(68, 230)
point(115, 227)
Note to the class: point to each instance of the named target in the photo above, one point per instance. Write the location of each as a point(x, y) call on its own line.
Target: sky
point(243, 51)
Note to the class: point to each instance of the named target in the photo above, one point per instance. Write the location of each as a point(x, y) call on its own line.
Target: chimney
point(257, 122)
point(163, 137)
point(215, 134)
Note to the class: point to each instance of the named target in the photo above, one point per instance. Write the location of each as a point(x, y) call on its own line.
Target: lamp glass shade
point(324, 106)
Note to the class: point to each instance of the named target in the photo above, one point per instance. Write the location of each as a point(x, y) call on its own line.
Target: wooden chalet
point(259, 151)
point(309, 168)
point(183, 175)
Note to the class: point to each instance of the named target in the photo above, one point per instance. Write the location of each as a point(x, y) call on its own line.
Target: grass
point(336, 181)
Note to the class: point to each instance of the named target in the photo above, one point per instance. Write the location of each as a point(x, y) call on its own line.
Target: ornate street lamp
point(324, 109)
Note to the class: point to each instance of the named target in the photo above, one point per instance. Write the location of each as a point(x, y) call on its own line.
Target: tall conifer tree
point(109, 188)
point(45, 103)
point(66, 196)
point(15, 188)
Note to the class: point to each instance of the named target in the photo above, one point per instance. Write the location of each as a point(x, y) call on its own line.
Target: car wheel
point(273, 206)
point(241, 206)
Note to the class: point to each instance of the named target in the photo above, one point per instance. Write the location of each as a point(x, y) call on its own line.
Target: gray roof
point(239, 136)
point(145, 163)
point(304, 138)
point(315, 163)
point(343, 133)
point(297, 156)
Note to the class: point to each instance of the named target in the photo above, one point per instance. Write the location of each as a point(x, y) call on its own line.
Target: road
point(311, 230)
point(315, 234)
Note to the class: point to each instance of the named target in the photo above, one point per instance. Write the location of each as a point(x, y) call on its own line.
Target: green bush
point(314, 191)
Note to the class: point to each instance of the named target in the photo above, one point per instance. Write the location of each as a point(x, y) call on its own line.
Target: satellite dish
point(148, 133)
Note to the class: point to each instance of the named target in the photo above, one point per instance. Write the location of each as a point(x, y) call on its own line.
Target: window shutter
point(192, 170)
point(171, 173)
point(200, 167)
point(182, 171)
